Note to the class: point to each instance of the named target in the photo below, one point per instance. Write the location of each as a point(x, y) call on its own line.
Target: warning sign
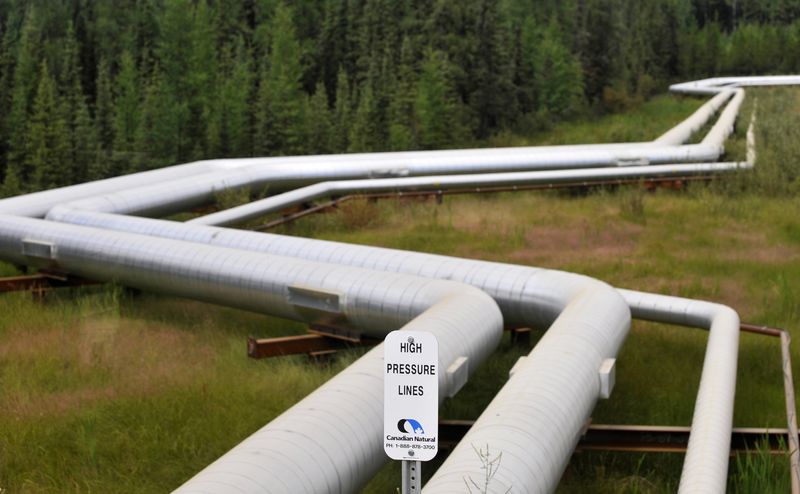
point(411, 395)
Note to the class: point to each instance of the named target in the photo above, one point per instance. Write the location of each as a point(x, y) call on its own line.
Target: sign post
point(411, 402)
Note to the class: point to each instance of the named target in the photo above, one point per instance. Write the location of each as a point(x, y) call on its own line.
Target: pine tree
point(8, 41)
point(332, 43)
point(402, 121)
point(492, 98)
point(228, 115)
point(48, 145)
point(80, 127)
point(320, 123)
point(158, 129)
point(438, 111)
point(343, 112)
point(127, 114)
point(186, 57)
point(100, 166)
point(557, 74)
point(280, 103)
point(25, 77)
point(367, 132)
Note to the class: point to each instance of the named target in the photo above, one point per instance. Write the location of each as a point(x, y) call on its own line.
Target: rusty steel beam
point(321, 341)
point(41, 281)
point(763, 330)
point(788, 391)
point(292, 345)
point(637, 438)
point(324, 340)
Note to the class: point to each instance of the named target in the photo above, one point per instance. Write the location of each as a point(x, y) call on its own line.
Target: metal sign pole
point(412, 477)
point(411, 403)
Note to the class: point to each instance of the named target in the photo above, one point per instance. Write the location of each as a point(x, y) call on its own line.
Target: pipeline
point(195, 183)
point(581, 312)
point(526, 296)
point(255, 209)
point(466, 322)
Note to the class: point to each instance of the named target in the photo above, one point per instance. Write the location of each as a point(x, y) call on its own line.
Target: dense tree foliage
point(94, 89)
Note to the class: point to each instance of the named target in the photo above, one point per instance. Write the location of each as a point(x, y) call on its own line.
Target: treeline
point(91, 89)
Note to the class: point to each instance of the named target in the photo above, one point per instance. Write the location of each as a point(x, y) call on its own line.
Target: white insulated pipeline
point(195, 183)
point(537, 418)
point(167, 197)
point(585, 313)
point(706, 465)
point(331, 440)
point(683, 131)
point(588, 176)
point(528, 295)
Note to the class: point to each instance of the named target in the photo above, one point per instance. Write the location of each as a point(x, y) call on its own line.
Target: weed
point(490, 467)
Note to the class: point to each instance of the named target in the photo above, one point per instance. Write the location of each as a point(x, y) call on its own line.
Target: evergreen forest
point(97, 88)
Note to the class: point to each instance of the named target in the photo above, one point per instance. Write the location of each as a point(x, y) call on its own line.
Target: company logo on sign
point(409, 426)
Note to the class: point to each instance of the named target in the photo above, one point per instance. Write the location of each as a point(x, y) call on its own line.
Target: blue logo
point(410, 426)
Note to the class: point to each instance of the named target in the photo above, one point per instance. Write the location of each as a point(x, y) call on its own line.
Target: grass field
point(104, 391)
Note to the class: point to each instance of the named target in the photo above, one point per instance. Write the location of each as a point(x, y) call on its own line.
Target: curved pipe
point(538, 417)
point(387, 164)
point(278, 202)
point(331, 440)
point(684, 130)
point(179, 195)
point(466, 321)
point(705, 468)
point(527, 296)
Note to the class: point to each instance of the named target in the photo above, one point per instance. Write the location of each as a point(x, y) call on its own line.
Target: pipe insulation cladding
point(528, 297)
point(338, 427)
point(536, 418)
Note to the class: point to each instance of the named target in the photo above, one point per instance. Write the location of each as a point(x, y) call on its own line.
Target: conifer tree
point(492, 99)
point(100, 166)
point(227, 117)
point(48, 137)
point(557, 76)
point(438, 111)
point(157, 134)
point(127, 113)
point(343, 112)
point(402, 121)
point(280, 103)
point(320, 123)
point(25, 77)
point(75, 113)
point(367, 132)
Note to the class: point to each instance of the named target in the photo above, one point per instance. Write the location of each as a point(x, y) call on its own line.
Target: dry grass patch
point(55, 371)
point(560, 245)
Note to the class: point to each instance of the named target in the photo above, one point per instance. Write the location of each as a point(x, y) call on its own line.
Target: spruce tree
point(75, 113)
point(127, 113)
point(320, 123)
point(228, 114)
point(280, 103)
point(367, 132)
point(157, 134)
point(402, 121)
point(100, 166)
point(439, 113)
point(48, 145)
point(557, 73)
point(25, 84)
point(342, 113)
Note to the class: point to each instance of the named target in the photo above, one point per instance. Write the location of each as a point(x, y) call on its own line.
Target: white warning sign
point(411, 395)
